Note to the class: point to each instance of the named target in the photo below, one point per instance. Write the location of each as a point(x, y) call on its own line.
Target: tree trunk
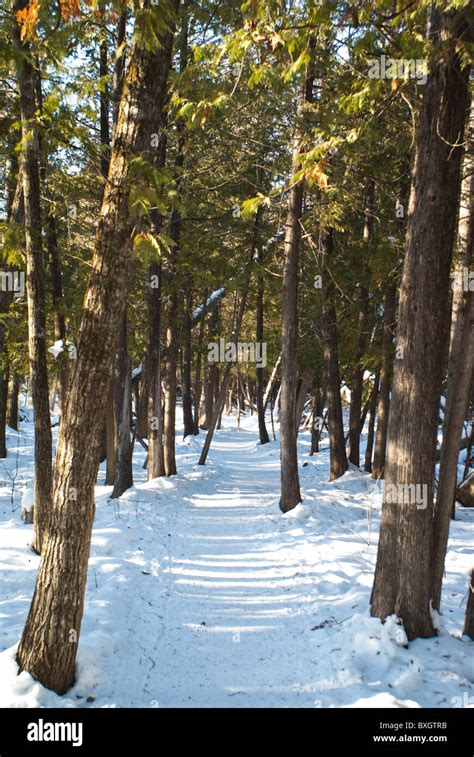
point(260, 370)
point(358, 376)
point(110, 437)
point(469, 448)
point(15, 214)
point(142, 400)
point(188, 421)
point(460, 367)
point(319, 401)
point(171, 365)
point(49, 643)
point(206, 420)
point(197, 382)
point(370, 431)
point(156, 464)
point(123, 415)
point(58, 308)
point(385, 383)
point(104, 95)
point(30, 162)
point(13, 403)
point(120, 57)
point(337, 448)
point(3, 411)
point(469, 617)
point(403, 575)
point(290, 485)
point(172, 333)
point(303, 387)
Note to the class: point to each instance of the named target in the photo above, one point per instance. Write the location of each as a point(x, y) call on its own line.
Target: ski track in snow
point(202, 594)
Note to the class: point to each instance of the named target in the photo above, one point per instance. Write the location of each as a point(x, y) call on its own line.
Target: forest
point(236, 353)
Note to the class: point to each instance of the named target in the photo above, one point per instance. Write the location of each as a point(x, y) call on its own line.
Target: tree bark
point(104, 95)
point(260, 370)
point(49, 643)
point(303, 387)
point(370, 431)
point(156, 464)
point(197, 382)
point(123, 414)
point(469, 617)
point(3, 411)
point(13, 403)
point(383, 408)
point(403, 575)
point(15, 214)
point(290, 485)
point(209, 376)
point(358, 375)
point(188, 421)
point(58, 308)
point(460, 368)
point(319, 401)
point(30, 162)
point(172, 333)
point(337, 448)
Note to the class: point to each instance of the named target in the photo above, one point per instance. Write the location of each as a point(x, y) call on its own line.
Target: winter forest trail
point(201, 593)
point(227, 594)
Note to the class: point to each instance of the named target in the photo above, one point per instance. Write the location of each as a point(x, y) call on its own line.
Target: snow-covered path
point(200, 593)
point(228, 596)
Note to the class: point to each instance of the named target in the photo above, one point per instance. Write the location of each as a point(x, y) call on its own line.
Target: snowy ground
point(201, 594)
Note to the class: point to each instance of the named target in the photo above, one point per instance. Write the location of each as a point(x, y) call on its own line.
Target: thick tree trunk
point(337, 448)
point(49, 643)
point(370, 431)
point(403, 575)
point(358, 375)
point(385, 383)
point(12, 421)
point(30, 162)
point(460, 368)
